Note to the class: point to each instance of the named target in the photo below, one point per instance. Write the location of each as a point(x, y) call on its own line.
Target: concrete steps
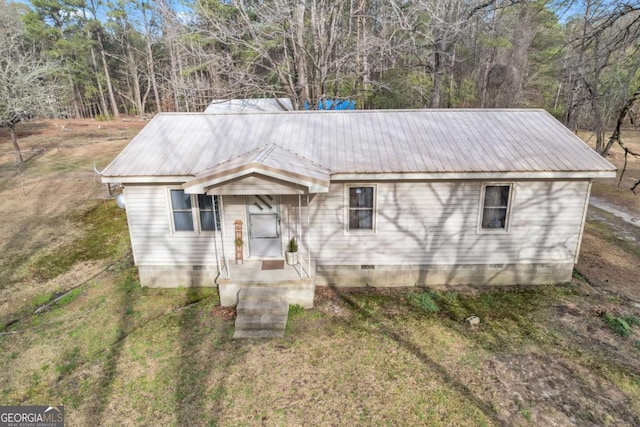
point(261, 313)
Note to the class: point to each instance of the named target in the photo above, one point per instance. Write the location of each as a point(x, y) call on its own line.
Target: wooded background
point(580, 59)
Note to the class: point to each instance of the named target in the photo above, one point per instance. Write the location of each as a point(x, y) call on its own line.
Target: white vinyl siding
point(418, 223)
point(151, 231)
point(234, 210)
point(422, 223)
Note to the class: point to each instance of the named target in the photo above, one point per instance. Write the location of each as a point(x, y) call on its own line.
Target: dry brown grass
point(611, 262)
point(608, 189)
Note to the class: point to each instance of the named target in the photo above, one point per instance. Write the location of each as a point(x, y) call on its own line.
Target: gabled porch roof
point(284, 172)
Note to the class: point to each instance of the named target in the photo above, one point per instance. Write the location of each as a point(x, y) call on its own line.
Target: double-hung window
point(209, 212)
point(199, 213)
point(496, 199)
point(361, 208)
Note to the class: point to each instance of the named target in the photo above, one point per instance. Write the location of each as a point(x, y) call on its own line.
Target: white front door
point(263, 213)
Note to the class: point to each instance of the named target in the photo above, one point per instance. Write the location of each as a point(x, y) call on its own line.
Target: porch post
point(308, 231)
point(299, 226)
point(215, 238)
point(222, 231)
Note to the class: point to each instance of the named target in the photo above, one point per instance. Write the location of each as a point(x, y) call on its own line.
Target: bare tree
point(27, 87)
point(601, 41)
point(302, 48)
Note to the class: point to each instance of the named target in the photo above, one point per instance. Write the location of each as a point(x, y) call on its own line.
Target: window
point(206, 205)
point(194, 213)
point(361, 208)
point(182, 212)
point(495, 207)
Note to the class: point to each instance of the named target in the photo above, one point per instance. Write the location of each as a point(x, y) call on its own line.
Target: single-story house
point(374, 198)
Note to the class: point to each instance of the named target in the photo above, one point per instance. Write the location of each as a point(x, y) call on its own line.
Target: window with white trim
point(198, 213)
point(209, 212)
point(495, 206)
point(361, 209)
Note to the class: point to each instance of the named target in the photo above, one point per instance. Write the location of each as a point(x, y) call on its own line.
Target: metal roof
point(375, 142)
point(249, 105)
point(269, 160)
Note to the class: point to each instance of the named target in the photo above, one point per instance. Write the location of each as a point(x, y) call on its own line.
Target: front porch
point(261, 196)
point(296, 281)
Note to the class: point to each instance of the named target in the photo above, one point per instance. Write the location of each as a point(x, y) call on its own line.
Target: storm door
point(263, 213)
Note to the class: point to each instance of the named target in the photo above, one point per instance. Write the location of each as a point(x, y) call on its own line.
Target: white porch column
point(308, 231)
point(222, 231)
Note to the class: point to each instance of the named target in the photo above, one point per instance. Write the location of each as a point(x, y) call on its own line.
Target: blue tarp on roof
point(334, 104)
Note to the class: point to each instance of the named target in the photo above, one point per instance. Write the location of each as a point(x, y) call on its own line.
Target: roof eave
point(147, 179)
point(199, 185)
point(420, 176)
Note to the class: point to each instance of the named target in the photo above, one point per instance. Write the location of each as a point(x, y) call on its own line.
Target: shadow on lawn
point(203, 362)
point(548, 378)
point(127, 298)
point(200, 364)
point(420, 355)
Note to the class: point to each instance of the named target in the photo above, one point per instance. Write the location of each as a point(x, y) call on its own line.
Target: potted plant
point(292, 251)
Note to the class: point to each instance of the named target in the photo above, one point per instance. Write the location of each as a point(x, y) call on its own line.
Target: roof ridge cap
point(257, 149)
point(299, 156)
point(263, 153)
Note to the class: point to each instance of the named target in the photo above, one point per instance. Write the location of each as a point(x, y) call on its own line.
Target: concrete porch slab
point(251, 272)
point(298, 290)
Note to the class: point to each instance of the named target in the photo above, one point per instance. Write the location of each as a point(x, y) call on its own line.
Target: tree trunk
point(488, 59)
point(107, 76)
point(437, 79)
point(300, 60)
point(175, 81)
point(135, 79)
point(150, 64)
point(76, 107)
point(152, 75)
point(16, 147)
point(103, 101)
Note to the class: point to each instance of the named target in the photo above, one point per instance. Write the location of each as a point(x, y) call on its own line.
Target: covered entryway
point(263, 217)
point(263, 196)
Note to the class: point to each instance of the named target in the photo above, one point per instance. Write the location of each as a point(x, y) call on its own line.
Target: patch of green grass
point(425, 301)
point(70, 361)
point(367, 301)
point(502, 304)
point(296, 311)
point(506, 315)
point(621, 325)
point(69, 296)
point(579, 276)
point(104, 237)
point(41, 300)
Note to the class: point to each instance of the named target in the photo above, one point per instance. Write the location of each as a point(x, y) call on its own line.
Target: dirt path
point(625, 216)
point(623, 224)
